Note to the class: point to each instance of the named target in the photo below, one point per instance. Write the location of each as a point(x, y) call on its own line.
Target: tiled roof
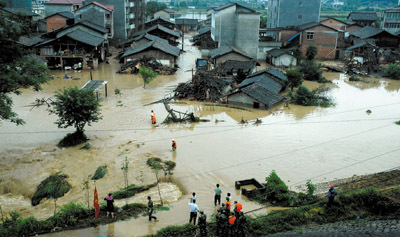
point(225, 50)
point(367, 32)
point(68, 15)
point(245, 66)
point(273, 72)
point(93, 26)
point(64, 2)
point(166, 48)
point(232, 4)
point(265, 81)
point(186, 21)
point(85, 38)
point(109, 8)
point(261, 94)
point(202, 31)
point(160, 27)
point(151, 38)
point(161, 18)
point(276, 52)
point(19, 10)
point(363, 16)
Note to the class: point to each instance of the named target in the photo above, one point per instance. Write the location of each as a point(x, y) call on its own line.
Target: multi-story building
point(98, 14)
point(27, 4)
point(129, 17)
point(283, 13)
point(235, 25)
point(391, 20)
point(54, 6)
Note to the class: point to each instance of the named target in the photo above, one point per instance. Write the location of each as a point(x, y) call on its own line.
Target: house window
point(256, 105)
point(108, 16)
point(310, 35)
point(300, 17)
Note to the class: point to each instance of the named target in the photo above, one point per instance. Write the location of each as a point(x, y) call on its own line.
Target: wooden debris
point(133, 66)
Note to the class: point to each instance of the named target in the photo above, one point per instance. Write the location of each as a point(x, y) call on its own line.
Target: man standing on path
point(193, 211)
point(150, 209)
point(217, 197)
point(202, 224)
point(331, 195)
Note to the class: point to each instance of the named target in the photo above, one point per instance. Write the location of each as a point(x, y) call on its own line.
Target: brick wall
point(323, 38)
point(55, 22)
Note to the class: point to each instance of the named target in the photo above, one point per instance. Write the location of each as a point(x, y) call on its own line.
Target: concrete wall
point(284, 61)
point(241, 98)
point(157, 54)
point(247, 28)
point(96, 15)
point(282, 13)
point(52, 9)
point(230, 56)
point(265, 46)
point(55, 22)
point(223, 28)
point(324, 39)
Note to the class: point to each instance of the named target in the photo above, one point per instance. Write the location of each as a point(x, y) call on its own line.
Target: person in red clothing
point(237, 208)
point(153, 117)
point(173, 145)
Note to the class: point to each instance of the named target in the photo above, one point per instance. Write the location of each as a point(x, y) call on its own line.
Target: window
point(310, 35)
point(108, 16)
point(300, 17)
point(300, 3)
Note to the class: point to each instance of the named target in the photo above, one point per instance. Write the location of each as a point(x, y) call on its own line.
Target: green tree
point(153, 7)
point(263, 21)
point(394, 71)
point(183, 4)
point(147, 74)
point(75, 108)
point(311, 52)
point(18, 69)
point(311, 71)
point(295, 78)
point(275, 188)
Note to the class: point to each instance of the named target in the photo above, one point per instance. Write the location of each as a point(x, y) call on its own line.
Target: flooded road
point(298, 142)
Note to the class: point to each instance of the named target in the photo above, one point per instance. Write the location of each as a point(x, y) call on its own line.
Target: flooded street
point(298, 142)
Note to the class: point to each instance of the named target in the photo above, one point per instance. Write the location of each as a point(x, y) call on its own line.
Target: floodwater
point(299, 143)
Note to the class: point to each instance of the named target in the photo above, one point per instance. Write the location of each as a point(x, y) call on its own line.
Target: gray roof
point(362, 16)
point(93, 85)
point(367, 32)
point(150, 37)
point(362, 44)
point(93, 26)
point(166, 48)
point(312, 24)
point(261, 94)
point(245, 66)
point(68, 15)
point(160, 27)
point(393, 9)
point(161, 18)
point(263, 80)
point(230, 5)
point(215, 53)
point(19, 10)
point(30, 41)
point(202, 31)
point(276, 52)
point(186, 21)
point(273, 72)
point(85, 38)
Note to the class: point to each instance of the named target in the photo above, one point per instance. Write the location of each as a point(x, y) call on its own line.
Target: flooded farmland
point(298, 142)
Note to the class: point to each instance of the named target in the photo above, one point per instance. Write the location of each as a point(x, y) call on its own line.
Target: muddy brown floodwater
point(298, 142)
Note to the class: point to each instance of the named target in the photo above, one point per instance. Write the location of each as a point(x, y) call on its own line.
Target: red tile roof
point(64, 2)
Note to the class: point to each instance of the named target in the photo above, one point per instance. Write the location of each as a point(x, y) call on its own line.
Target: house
point(82, 43)
point(53, 6)
point(98, 14)
point(160, 21)
point(281, 58)
point(351, 27)
point(58, 20)
point(184, 24)
point(203, 39)
point(381, 37)
point(323, 37)
point(33, 17)
point(128, 17)
point(143, 39)
point(162, 32)
point(334, 23)
point(225, 53)
point(168, 14)
point(233, 68)
point(272, 73)
point(391, 20)
point(165, 53)
point(363, 18)
point(283, 13)
point(237, 26)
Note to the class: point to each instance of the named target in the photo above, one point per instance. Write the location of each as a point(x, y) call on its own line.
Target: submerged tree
point(147, 74)
point(18, 69)
point(295, 78)
point(75, 108)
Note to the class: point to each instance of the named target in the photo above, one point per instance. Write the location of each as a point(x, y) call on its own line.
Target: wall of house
point(285, 35)
point(230, 56)
point(353, 28)
point(334, 24)
point(284, 61)
point(223, 30)
point(265, 46)
point(157, 54)
point(55, 22)
point(282, 13)
point(324, 39)
point(247, 28)
point(92, 13)
point(52, 9)
point(241, 98)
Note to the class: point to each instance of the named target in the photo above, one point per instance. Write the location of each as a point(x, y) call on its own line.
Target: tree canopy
point(295, 78)
point(153, 7)
point(147, 74)
point(18, 68)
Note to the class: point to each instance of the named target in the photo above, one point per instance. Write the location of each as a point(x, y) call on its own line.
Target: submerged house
point(203, 39)
point(381, 37)
point(162, 32)
point(160, 21)
point(281, 58)
point(225, 53)
point(142, 39)
point(165, 53)
point(233, 68)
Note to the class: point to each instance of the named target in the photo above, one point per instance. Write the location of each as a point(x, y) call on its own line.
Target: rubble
point(133, 66)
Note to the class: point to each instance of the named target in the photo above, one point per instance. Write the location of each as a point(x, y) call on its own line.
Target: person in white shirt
point(193, 211)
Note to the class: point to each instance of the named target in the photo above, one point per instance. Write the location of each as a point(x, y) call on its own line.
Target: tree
point(311, 71)
point(311, 52)
point(18, 69)
point(75, 108)
point(153, 7)
point(275, 188)
point(394, 71)
point(295, 78)
point(263, 21)
point(147, 74)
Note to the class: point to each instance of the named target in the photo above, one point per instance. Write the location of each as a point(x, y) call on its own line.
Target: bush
point(157, 163)
point(303, 96)
point(276, 189)
point(131, 191)
point(54, 186)
point(174, 230)
point(312, 71)
point(394, 71)
point(397, 122)
point(100, 172)
point(73, 139)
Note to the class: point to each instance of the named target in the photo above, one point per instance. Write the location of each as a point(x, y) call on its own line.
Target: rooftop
point(363, 16)
point(19, 10)
point(238, 6)
point(186, 21)
point(272, 72)
point(262, 94)
point(162, 19)
point(68, 15)
point(159, 27)
point(263, 80)
point(215, 53)
point(109, 8)
point(64, 2)
point(367, 32)
point(276, 52)
point(166, 48)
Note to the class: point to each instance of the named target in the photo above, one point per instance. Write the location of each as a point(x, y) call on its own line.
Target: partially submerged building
point(162, 32)
point(160, 21)
point(281, 58)
point(234, 67)
point(380, 37)
point(203, 39)
point(54, 6)
point(225, 53)
point(186, 25)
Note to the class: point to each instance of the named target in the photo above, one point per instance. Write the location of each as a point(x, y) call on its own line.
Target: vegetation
point(311, 52)
point(276, 189)
point(18, 69)
point(311, 71)
point(153, 7)
point(147, 74)
point(303, 96)
point(394, 71)
point(397, 122)
point(167, 166)
point(295, 78)
point(101, 171)
point(131, 190)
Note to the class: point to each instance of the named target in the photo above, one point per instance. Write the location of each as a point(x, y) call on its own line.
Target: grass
point(131, 191)
point(101, 171)
point(53, 186)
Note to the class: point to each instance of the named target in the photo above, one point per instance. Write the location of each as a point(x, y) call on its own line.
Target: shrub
point(276, 189)
point(398, 122)
point(303, 96)
point(311, 71)
point(73, 139)
point(184, 230)
point(157, 163)
point(54, 186)
point(100, 172)
point(131, 191)
point(394, 71)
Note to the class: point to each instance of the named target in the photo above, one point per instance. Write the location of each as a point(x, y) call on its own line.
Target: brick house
point(58, 20)
point(334, 23)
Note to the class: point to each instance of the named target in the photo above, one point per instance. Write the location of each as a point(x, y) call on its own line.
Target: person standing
point(173, 145)
point(150, 209)
point(237, 209)
point(217, 197)
point(218, 219)
point(110, 205)
point(153, 117)
point(227, 207)
point(203, 223)
point(193, 197)
point(193, 211)
point(331, 195)
point(228, 195)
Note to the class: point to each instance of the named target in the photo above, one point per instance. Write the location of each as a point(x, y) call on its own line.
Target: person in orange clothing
point(232, 226)
point(173, 145)
point(227, 207)
point(237, 208)
point(153, 117)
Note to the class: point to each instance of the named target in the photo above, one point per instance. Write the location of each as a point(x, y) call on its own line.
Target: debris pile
point(204, 87)
point(175, 116)
point(134, 66)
